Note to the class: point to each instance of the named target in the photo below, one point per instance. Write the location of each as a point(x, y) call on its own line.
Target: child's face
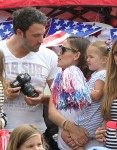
point(94, 59)
point(34, 143)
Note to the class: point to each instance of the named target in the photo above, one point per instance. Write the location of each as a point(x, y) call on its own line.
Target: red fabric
point(22, 3)
point(111, 124)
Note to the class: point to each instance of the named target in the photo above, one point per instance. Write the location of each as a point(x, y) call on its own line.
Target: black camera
point(23, 80)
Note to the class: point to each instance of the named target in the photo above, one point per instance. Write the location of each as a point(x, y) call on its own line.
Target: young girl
point(109, 107)
point(3, 86)
point(26, 137)
point(91, 117)
point(70, 92)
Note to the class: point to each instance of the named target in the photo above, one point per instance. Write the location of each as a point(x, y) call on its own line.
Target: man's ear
point(19, 33)
point(77, 55)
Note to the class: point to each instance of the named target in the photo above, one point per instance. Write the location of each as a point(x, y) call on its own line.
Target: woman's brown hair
point(110, 92)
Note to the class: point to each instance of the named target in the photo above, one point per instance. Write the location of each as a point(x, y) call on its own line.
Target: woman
point(107, 134)
point(70, 92)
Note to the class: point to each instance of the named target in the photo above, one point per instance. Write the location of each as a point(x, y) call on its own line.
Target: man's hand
point(12, 93)
point(36, 100)
point(68, 140)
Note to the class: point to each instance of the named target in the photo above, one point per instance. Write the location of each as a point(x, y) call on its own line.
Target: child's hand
point(100, 134)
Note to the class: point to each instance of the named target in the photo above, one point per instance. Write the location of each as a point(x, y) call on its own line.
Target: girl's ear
point(104, 59)
point(77, 55)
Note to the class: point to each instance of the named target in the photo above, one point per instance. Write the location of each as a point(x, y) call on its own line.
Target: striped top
point(3, 117)
point(91, 117)
point(111, 139)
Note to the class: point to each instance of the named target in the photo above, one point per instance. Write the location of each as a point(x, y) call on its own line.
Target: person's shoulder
point(2, 42)
point(47, 52)
point(73, 70)
point(101, 72)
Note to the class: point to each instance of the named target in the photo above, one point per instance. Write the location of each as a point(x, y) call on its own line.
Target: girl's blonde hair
point(2, 72)
point(110, 84)
point(102, 47)
point(21, 134)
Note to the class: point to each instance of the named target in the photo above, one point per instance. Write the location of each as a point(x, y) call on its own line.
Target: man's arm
point(43, 99)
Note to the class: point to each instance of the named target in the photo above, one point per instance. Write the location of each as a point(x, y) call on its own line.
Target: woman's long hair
point(110, 91)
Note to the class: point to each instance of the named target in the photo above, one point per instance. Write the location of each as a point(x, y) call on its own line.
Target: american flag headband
point(109, 44)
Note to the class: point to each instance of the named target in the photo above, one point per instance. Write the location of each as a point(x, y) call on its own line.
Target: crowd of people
point(82, 80)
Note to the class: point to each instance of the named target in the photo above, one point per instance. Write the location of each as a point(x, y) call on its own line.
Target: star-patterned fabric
point(72, 27)
point(6, 30)
point(113, 34)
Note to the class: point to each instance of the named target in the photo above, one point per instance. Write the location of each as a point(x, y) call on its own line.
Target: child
point(91, 117)
point(3, 86)
point(26, 137)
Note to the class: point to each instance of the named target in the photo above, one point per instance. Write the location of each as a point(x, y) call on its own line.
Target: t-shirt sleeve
point(101, 75)
point(54, 69)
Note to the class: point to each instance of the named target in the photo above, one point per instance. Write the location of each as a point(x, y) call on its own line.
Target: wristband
point(66, 125)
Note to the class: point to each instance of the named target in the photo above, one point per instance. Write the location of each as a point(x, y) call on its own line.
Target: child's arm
point(98, 90)
point(3, 120)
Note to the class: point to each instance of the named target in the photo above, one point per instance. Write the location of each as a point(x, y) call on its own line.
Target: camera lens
point(29, 90)
point(15, 84)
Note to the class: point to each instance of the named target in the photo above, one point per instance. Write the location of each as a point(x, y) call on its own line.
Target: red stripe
point(53, 37)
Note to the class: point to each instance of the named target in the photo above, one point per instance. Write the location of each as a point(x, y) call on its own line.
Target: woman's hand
point(100, 134)
point(77, 133)
point(68, 140)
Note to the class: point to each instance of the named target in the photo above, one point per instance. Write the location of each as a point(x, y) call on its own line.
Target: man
point(23, 54)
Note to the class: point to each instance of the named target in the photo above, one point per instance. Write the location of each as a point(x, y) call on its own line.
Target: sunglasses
point(64, 49)
point(115, 52)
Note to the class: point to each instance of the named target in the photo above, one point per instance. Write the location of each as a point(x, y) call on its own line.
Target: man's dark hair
point(23, 18)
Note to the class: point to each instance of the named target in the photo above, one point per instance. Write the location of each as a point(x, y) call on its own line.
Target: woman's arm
point(54, 115)
point(79, 135)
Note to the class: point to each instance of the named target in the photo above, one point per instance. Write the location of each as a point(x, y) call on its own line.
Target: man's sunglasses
point(115, 52)
point(64, 49)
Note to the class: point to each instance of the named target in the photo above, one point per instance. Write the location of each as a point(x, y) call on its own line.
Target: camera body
point(23, 80)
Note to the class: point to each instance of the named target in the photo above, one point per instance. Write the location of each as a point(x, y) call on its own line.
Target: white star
point(68, 27)
point(94, 27)
point(84, 24)
point(115, 33)
point(7, 32)
point(0, 38)
point(11, 26)
point(75, 23)
point(2, 26)
point(65, 22)
point(58, 27)
point(84, 29)
point(74, 31)
point(57, 20)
